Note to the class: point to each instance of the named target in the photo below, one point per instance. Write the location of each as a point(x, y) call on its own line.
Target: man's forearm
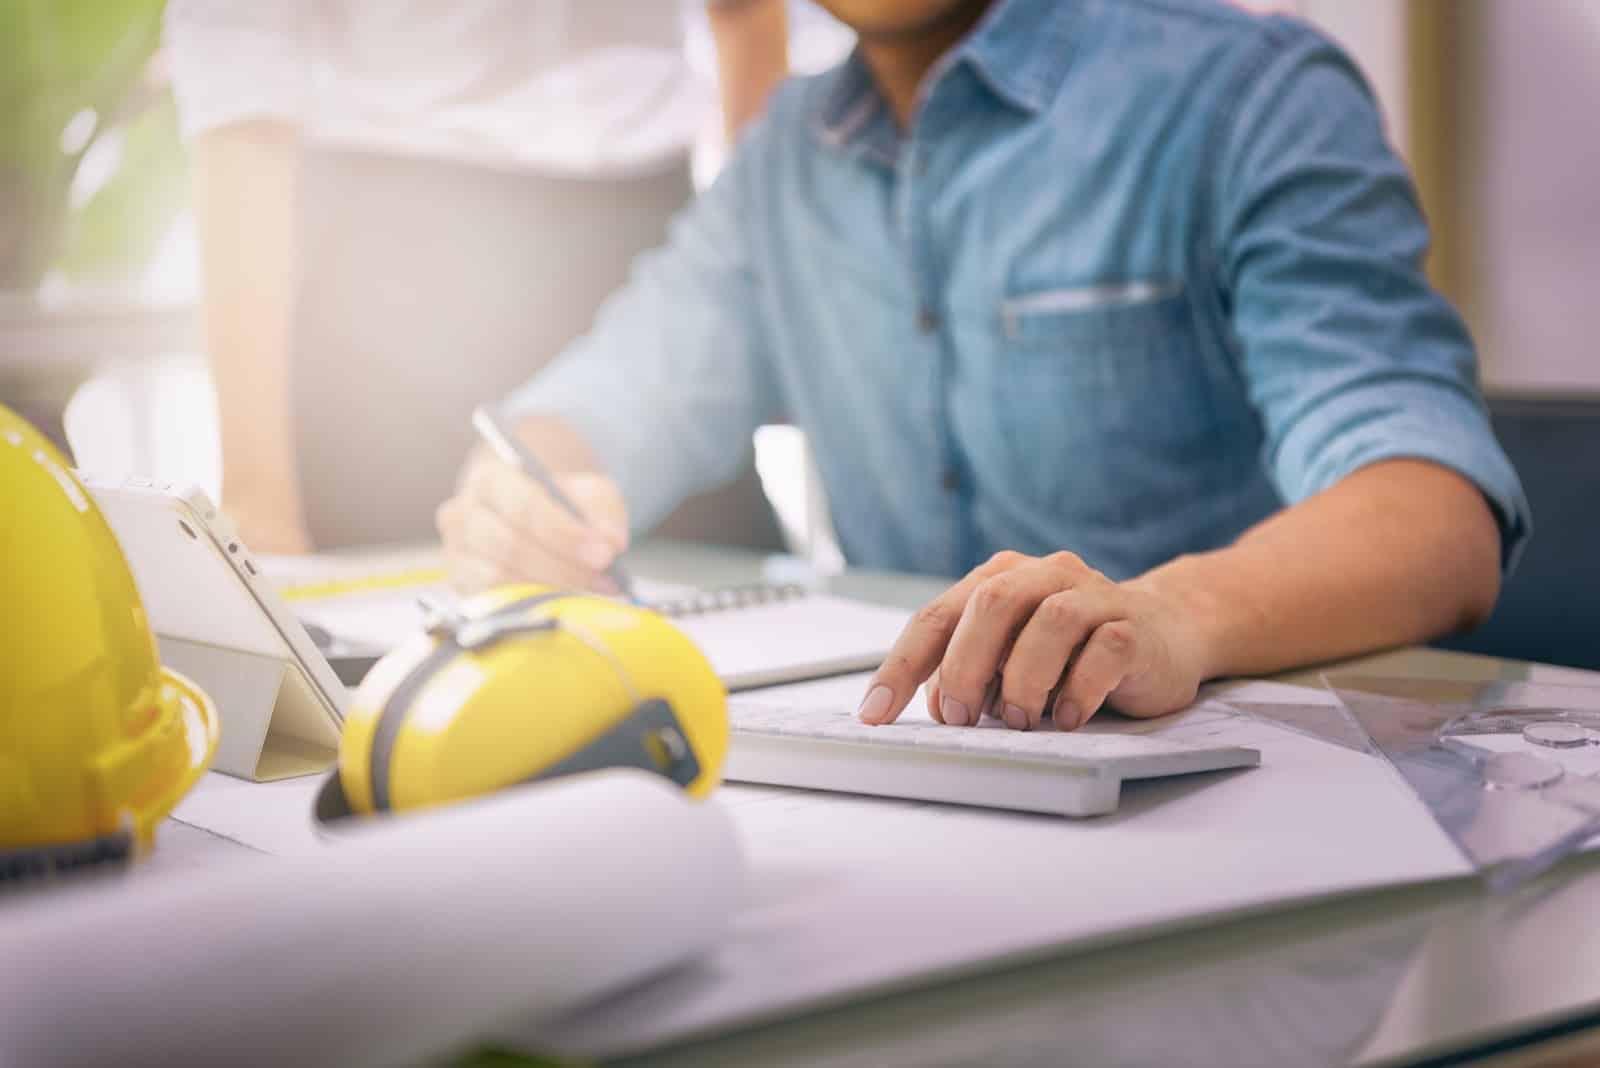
point(246, 189)
point(1399, 552)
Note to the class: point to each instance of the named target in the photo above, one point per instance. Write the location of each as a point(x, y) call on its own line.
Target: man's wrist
point(1202, 614)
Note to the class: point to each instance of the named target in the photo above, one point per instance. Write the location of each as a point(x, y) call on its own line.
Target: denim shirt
point(1136, 274)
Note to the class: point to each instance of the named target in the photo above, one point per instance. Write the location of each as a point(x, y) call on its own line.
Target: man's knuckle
point(1067, 561)
point(994, 596)
point(1116, 638)
point(896, 666)
point(1059, 613)
point(1005, 560)
point(966, 680)
point(936, 616)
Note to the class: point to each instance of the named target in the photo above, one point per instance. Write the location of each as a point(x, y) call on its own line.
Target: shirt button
point(950, 480)
point(927, 320)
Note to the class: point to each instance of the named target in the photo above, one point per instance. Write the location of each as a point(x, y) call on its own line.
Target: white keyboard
point(1077, 774)
point(991, 737)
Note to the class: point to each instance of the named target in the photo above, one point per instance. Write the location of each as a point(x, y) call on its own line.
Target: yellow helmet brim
point(201, 729)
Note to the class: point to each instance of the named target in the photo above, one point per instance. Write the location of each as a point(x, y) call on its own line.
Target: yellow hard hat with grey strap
point(97, 741)
point(526, 683)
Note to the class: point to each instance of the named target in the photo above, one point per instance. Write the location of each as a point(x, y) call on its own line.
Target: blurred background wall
point(1530, 166)
point(1490, 100)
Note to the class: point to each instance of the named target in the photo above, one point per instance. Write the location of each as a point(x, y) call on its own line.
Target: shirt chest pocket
point(1100, 394)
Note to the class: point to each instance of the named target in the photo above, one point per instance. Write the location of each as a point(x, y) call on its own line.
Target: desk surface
point(1415, 975)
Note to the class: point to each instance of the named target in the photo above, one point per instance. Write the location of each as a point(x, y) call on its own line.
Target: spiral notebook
point(764, 635)
point(754, 635)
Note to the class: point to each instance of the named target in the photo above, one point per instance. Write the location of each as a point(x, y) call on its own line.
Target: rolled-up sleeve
point(240, 60)
point(670, 384)
point(1350, 356)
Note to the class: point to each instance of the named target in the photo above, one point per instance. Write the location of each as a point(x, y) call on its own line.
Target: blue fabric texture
point(1138, 273)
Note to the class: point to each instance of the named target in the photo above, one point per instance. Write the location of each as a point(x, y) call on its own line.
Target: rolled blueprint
point(403, 942)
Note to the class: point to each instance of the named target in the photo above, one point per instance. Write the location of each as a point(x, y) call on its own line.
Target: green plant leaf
point(58, 59)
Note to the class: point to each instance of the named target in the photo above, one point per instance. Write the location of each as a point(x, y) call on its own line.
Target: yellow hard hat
point(526, 683)
point(97, 741)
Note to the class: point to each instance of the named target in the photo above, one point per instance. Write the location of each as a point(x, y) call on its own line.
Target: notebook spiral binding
point(727, 599)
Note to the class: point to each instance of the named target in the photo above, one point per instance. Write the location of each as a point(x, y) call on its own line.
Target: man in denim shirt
point(1115, 307)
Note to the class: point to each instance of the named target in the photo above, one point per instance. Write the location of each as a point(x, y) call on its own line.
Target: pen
point(511, 449)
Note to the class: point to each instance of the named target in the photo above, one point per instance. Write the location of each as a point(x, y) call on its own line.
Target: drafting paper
point(398, 944)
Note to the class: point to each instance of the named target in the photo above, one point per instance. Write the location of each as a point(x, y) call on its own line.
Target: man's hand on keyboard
point(1021, 636)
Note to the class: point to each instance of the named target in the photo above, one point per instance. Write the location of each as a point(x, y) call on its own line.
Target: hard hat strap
point(398, 707)
point(131, 773)
point(35, 862)
point(649, 738)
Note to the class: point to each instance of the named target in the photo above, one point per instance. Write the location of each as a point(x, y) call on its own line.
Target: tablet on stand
point(218, 621)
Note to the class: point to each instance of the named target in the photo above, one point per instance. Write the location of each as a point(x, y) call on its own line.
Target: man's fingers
point(971, 660)
point(447, 517)
point(468, 575)
point(1000, 607)
point(1108, 657)
point(533, 514)
point(922, 644)
point(599, 499)
point(914, 656)
point(502, 554)
point(990, 705)
point(932, 694)
point(1039, 657)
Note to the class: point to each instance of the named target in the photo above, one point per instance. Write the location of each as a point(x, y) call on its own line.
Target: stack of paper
point(399, 944)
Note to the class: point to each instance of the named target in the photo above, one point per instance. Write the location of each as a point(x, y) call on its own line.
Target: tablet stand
point(273, 724)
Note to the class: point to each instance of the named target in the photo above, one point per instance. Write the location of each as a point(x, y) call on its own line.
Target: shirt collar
point(1020, 51)
point(849, 101)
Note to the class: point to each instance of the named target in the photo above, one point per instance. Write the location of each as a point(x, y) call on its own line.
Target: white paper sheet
point(851, 895)
point(811, 635)
point(755, 645)
point(271, 817)
point(383, 949)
